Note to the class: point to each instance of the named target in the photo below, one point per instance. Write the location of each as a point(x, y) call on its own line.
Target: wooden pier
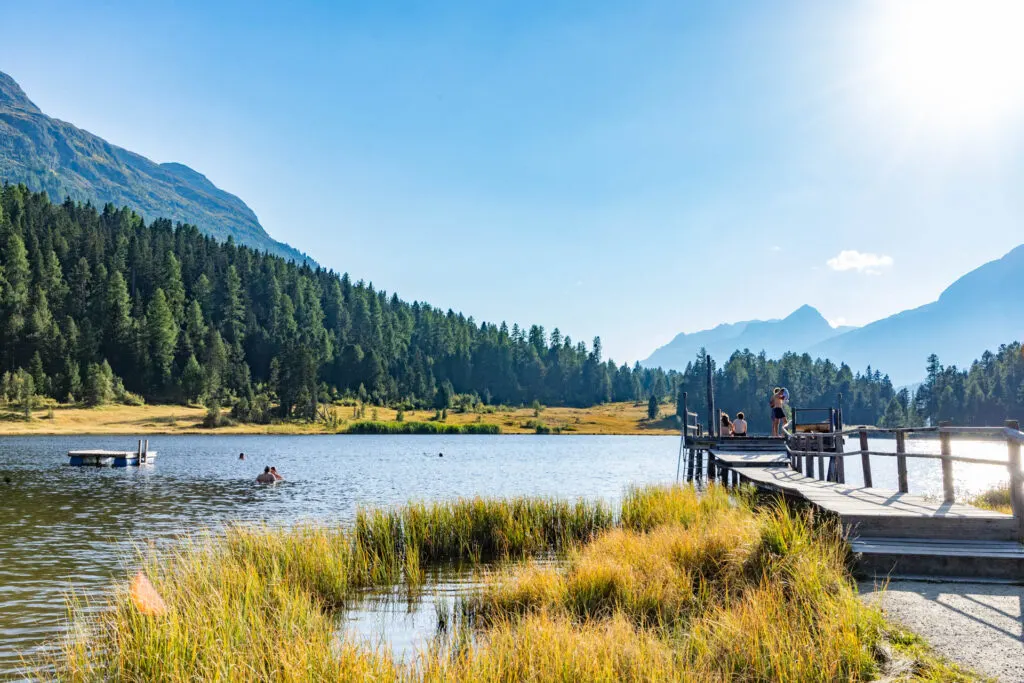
point(891, 532)
point(103, 458)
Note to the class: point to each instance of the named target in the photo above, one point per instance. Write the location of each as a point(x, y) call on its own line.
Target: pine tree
point(162, 335)
point(652, 408)
point(192, 380)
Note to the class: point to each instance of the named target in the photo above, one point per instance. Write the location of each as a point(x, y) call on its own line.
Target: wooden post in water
point(946, 449)
point(819, 444)
point(1016, 480)
point(865, 459)
point(901, 461)
point(713, 429)
point(840, 460)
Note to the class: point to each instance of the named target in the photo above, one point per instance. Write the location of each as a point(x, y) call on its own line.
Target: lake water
point(64, 528)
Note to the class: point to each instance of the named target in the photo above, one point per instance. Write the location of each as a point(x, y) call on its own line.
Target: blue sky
point(628, 170)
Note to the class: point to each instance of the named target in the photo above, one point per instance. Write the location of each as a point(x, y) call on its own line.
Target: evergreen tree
point(652, 408)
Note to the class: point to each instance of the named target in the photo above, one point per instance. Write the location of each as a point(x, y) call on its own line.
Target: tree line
point(97, 305)
point(990, 391)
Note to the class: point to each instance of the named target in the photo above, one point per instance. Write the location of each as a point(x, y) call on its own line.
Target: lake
point(64, 528)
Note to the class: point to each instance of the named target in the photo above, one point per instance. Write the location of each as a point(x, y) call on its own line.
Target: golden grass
point(997, 499)
point(712, 590)
point(611, 418)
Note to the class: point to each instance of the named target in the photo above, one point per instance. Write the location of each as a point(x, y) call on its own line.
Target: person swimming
point(241, 456)
point(277, 476)
point(267, 477)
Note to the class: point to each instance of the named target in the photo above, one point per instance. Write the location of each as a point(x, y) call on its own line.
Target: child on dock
point(739, 425)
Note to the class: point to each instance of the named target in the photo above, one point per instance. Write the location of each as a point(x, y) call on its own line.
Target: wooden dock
point(891, 532)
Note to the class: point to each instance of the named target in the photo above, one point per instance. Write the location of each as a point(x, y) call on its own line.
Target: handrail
point(1006, 432)
point(1010, 432)
point(887, 454)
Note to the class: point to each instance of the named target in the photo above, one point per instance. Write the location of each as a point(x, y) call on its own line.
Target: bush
point(372, 427)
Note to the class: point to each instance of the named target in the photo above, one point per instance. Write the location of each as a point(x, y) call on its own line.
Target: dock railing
point(805, 449)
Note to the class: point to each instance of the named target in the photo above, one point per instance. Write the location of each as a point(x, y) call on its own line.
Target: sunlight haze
point(599, 167)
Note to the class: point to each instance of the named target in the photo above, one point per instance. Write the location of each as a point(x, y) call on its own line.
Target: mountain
point(977, 312)
point(64, 161)
point(798, 331)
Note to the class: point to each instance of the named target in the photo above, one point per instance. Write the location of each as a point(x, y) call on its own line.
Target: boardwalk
point(891, 533)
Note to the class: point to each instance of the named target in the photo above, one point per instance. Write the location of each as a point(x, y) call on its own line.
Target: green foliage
point(652, 408)
point(396, 427)
point(987, 393)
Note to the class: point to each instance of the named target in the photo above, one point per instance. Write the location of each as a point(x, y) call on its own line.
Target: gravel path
point(978, 625)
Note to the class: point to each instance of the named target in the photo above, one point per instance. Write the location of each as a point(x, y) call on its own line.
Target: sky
point(629, 170)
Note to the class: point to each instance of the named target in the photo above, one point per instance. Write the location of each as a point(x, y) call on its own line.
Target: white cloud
point(837, 322)
point(862, 262)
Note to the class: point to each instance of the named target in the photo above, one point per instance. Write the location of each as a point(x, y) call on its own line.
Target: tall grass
point(685, 586)
point(997, 499)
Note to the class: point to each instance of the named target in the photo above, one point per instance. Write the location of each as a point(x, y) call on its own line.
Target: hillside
point(64, 161)
point(977, 312)
point(87, 297)
point(798, 331)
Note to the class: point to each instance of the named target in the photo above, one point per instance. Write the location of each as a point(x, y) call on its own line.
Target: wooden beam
point(1016, 480)
point(901, 461)
point(865, 459)
point(946, 449)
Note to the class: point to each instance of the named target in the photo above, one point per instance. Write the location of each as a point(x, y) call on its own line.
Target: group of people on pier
point(777, 405)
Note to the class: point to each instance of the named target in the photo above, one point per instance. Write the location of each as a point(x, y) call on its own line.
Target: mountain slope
point(977, 312)
point(799, 330)
point(56, 157)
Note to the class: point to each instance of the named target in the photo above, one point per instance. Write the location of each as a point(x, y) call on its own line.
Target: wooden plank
point(732, 459)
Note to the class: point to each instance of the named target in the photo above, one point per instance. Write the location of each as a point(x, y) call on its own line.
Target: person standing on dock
point(778, 414)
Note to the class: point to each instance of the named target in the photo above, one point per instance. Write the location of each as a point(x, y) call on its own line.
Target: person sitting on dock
point(277, 476)
point(266, 477)
point(739, 425)
point(726, 425)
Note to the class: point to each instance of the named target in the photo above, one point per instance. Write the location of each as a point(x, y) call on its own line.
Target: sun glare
point(948, 65)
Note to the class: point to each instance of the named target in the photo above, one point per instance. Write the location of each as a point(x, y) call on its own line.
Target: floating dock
point(102, 458)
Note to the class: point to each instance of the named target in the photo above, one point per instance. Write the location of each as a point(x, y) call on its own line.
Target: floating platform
point(102, 458)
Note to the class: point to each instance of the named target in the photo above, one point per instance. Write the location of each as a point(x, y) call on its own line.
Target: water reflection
point(69, 528)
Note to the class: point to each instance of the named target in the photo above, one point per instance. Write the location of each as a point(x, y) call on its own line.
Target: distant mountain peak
point(13, 97)
point(806, 313)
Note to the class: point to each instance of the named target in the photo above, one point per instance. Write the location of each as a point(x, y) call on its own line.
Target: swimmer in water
point(277, 477)
point(267, 477)
point(241, 456)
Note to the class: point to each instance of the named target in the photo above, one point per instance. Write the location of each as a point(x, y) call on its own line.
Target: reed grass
point(996, 499)
point(679, 585)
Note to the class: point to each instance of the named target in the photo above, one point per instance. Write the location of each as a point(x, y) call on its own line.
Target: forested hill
point(50, 155)
point(179, 315)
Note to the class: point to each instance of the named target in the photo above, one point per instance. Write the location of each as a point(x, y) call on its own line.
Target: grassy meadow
point(611, 418)
point(675, 584)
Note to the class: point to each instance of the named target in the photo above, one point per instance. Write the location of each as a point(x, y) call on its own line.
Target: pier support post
point(1016, 480)
point(946, 449)
point(714, 426)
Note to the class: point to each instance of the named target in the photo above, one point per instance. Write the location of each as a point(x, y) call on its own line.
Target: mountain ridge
point(803, 327)
point(51, 155)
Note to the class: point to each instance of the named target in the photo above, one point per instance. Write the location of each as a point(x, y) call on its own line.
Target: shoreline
point(612, 419)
